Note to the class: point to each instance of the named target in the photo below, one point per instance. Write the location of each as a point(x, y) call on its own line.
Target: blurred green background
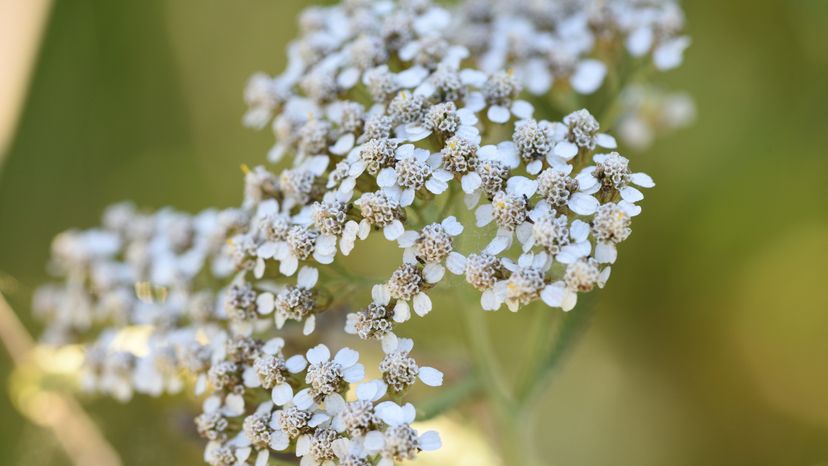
point(710, 343)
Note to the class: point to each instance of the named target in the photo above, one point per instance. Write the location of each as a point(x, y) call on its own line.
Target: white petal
point(566, 150)
point(389, 342)
point(409, 413)
point(318, 354)
point(470, 182)
point(289, 265)
point(279, 440)
point(523, 109)
point(393, 230)
point(250, 378)
point(579, 230)
point(391, 413)
point(456, 263)
point(431, 376)
point(262, 458)
point(380, 294)
point(243, 453)
point(346, 357)
point(583, 204)
point(410, 256)
point(670, 54)
point(334, 403)
point(317, 419)
point(265, 303)
point(498, 114)
point(433, 273)
point(310, 325)
point(405, 344)
point(348, 78)
point(605, 253)
point(412, 77)
point(354, 373)
point(407, 239)
point(409, 51)
point(259, 269)
point(642, 179)
point(630, 194)
point(281, 394)
point(374, 441)
point(307, 277)
point(407, 197)
point(534, 167)
point(606, 141)
point(430, 441)
point(524, 232)
point(630, 209)
point(603, 277)
point(484, 215)
point(489, 301)
point(588, 76)
point(639, 41)
point(499, 244)
point(471, 200)
point(436, 186)
point(303, 444)
point(467, 117)
point(416, 133)
point(343, 145)
point(303, 399)
point(537, 77)
point(521, 186)
point(364, 229)
point(472, 77)
point(387, 177)
point(234, 405)
point(296, 364)
point(273, 346)
point(587, 182)
point(452, 226)
point(401, 311)
point(570, 298)
point(325, 246)
point(553, 294)
point(422, 304)
point(366, 391)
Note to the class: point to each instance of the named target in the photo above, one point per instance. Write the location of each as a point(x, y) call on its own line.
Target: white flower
point(580, 276)
point(400, 441)
point(611, 173)
point(400, 371)
point(415, 169)
point(432, 244)
point(326, 376)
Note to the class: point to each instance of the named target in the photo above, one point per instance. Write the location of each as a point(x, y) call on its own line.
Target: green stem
point(486, 361)
point(536, 345)
point(571, 328)
point(450, 398)
point(517, 439)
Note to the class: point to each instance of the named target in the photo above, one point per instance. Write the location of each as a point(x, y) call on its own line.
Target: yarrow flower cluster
point(387, 115)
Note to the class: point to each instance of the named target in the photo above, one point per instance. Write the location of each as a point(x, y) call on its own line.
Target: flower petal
point(431, 376)
point(498, 114)
point(346, 357)
point(318, 354)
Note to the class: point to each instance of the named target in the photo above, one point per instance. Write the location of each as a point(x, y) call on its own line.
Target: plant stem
point(450, 398)
point(486, 361)
point(77, 434)
point(571, 328)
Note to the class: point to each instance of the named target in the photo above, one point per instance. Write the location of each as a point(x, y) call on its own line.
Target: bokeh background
point(710, 344)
